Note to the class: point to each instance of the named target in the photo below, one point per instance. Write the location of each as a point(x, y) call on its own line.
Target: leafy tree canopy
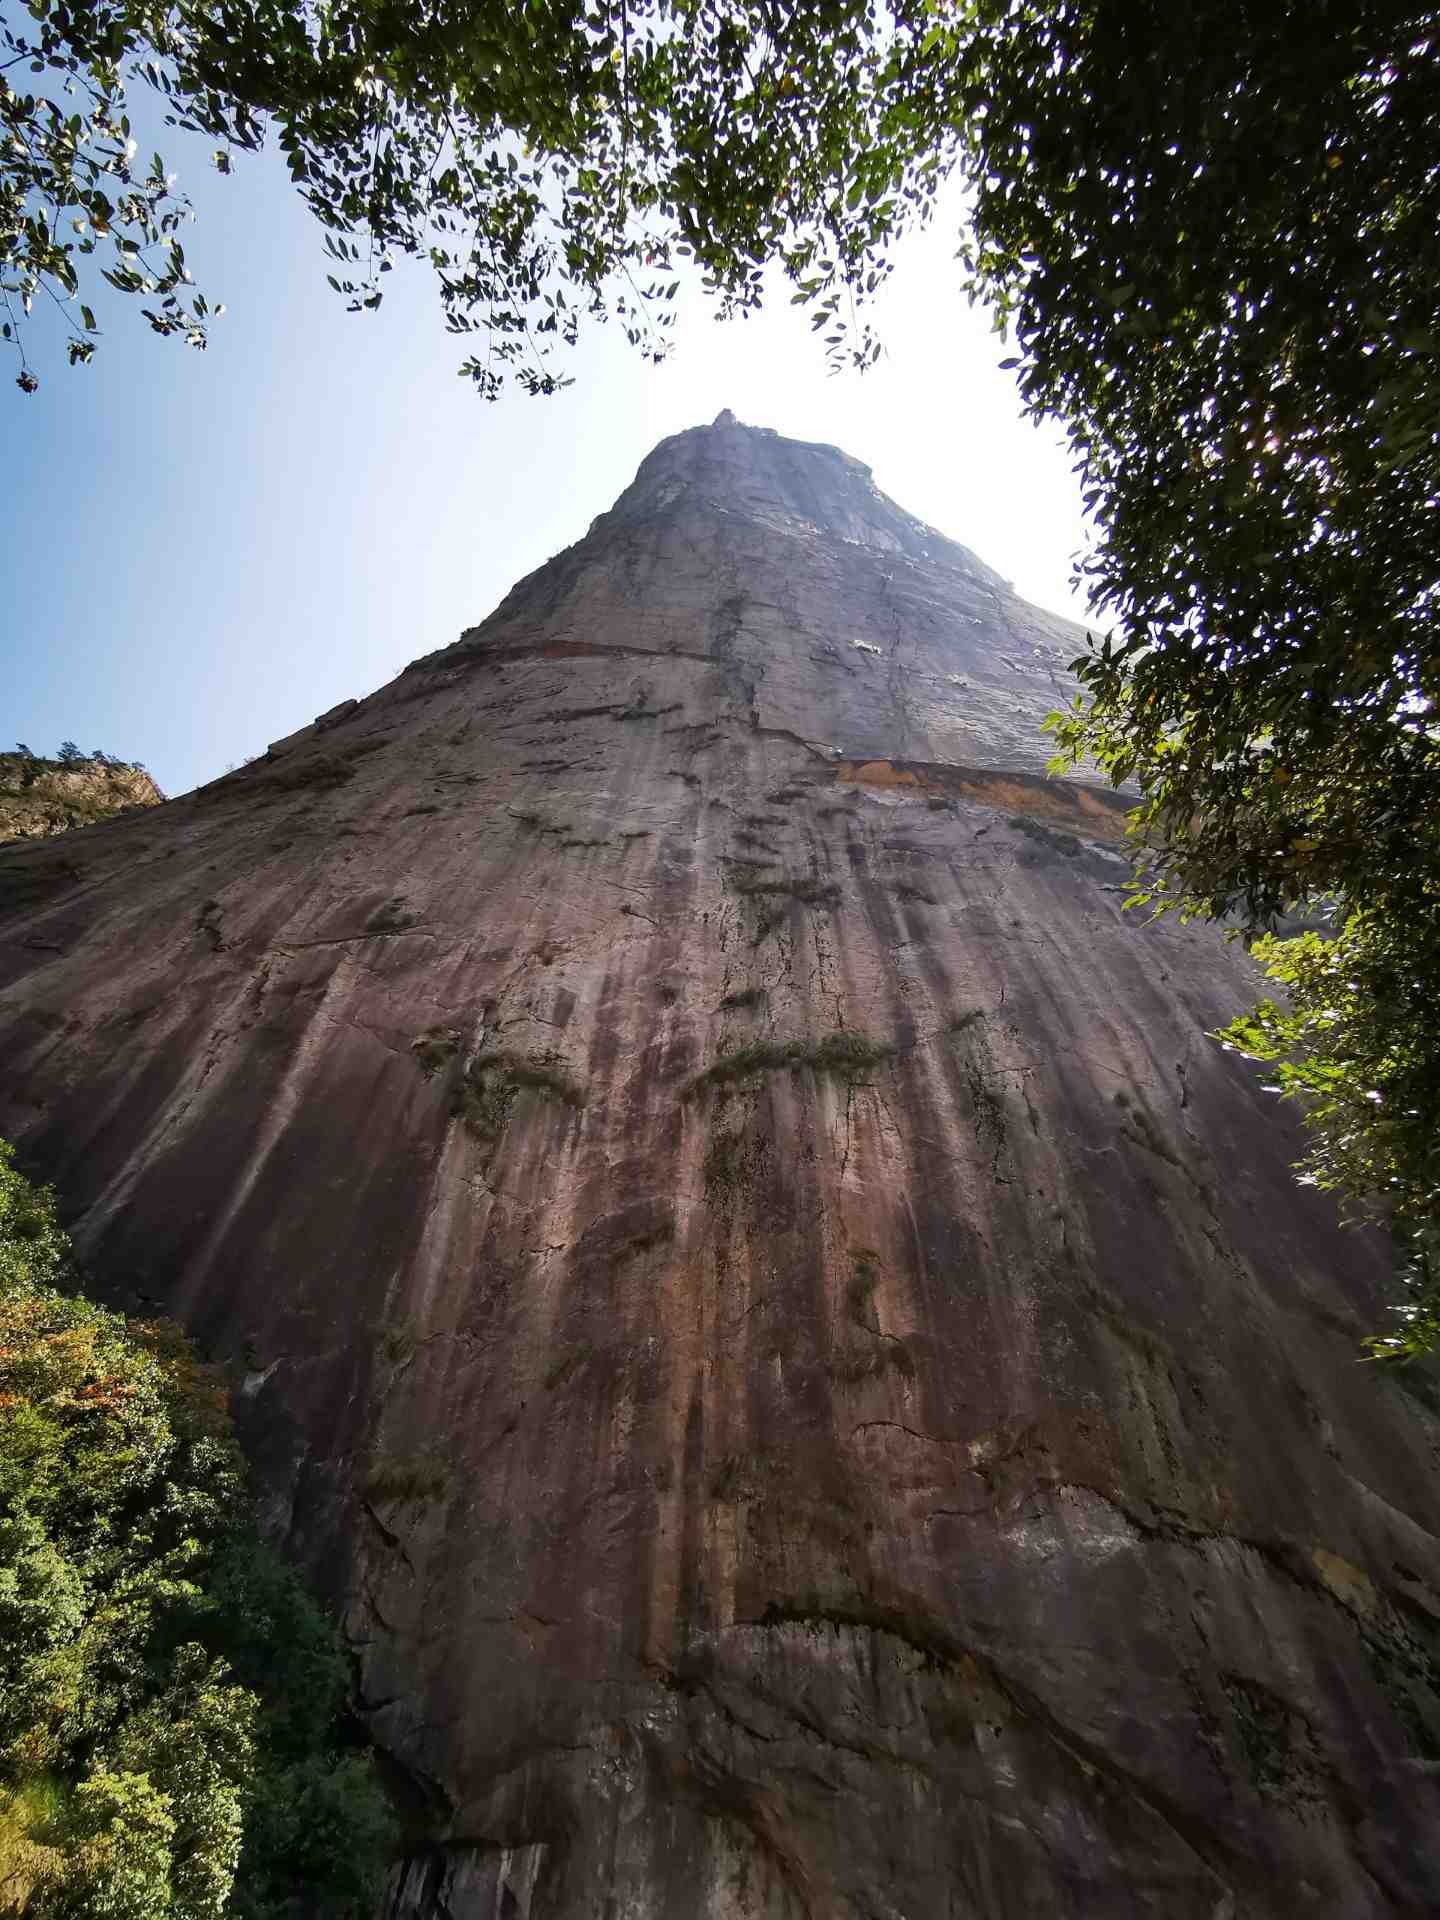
point(172, 1702)
point(551, 161)
point(1215, 231)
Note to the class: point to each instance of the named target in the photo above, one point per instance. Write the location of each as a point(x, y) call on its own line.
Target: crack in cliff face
point(1019, 1703)
point(996, 1704)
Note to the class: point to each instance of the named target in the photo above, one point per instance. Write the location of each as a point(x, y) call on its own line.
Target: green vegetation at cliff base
point(175, 1741)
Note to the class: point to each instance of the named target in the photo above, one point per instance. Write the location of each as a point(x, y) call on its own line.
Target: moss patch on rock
point(435, 1048)
point(487, 1091)
point(743, 998)
point(401, 1477)
point(842, 1056)
point(808, 891)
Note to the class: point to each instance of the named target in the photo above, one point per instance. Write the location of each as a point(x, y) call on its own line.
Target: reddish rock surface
point(809, 1375)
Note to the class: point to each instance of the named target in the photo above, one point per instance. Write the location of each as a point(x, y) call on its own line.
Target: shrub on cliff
point(173, 1736)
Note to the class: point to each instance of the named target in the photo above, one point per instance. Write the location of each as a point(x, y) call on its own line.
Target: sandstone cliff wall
point(808, 1373)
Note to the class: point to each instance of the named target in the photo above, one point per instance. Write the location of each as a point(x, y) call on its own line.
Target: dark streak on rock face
point(938, 1487)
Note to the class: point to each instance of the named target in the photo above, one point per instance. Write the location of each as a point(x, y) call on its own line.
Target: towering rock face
point(809, 1375)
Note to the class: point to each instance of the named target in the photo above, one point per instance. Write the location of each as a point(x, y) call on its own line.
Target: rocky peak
point(774, 557)
point(797, 488)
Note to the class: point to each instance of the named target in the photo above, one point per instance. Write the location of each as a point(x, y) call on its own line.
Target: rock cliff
point(809, 1375)
point(40, 797)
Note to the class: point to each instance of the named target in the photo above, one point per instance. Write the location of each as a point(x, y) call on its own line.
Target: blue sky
point(200, 552)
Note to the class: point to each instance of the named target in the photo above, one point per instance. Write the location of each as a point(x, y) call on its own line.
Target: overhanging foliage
point(1215, 233)
point(551, 162)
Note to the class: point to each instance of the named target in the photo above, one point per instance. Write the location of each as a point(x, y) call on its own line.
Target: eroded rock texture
point(40, 798)
point(809, 1375)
